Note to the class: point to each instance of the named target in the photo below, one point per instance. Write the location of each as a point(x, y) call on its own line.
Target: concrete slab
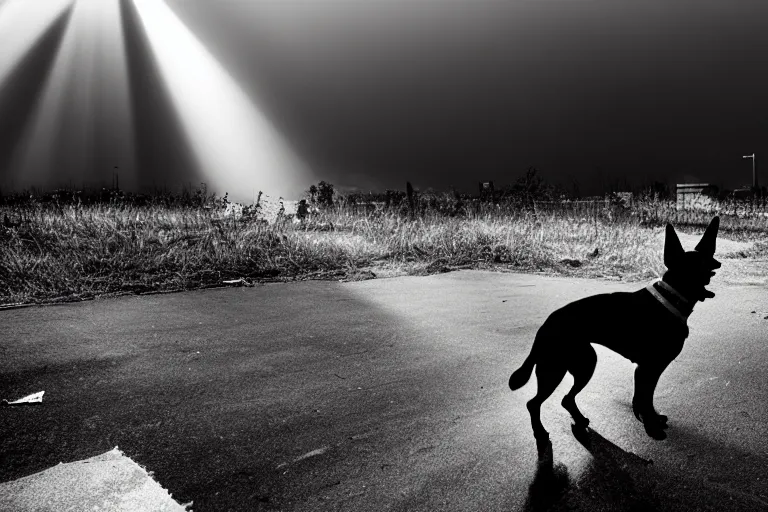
point(107, 482)
point(387, 394)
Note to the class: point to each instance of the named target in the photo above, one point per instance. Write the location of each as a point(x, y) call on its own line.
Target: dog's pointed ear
point(673, 249)
point(707, 243)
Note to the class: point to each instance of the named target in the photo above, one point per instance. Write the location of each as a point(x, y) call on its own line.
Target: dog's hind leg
point(548, 376)
point(582, 367)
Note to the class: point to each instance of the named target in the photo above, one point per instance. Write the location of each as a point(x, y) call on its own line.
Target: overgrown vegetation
point(71, 246)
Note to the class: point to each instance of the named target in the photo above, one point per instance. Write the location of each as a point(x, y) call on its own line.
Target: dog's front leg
point(646, 378)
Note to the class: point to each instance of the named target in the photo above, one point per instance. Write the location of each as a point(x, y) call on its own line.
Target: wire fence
point(734, 214)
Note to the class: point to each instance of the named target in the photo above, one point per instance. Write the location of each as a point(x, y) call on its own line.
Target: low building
point(696, 196)
point(743, 193)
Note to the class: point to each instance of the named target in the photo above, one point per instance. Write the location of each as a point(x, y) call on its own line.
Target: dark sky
point(447, 93)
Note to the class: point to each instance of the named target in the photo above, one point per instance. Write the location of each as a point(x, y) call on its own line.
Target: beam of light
point(237, 148)
point(22, 24)
point(81, 127)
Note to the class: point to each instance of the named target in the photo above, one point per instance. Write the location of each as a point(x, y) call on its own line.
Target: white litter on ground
point(34, 398)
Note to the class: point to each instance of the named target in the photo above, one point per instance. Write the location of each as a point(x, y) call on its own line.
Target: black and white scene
point(383, 255)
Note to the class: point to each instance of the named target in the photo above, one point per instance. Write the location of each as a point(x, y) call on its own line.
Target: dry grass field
point(53, 251)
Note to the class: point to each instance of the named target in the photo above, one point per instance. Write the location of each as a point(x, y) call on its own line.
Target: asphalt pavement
point(388, 394)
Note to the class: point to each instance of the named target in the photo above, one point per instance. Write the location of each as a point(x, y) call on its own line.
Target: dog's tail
point(522, 374)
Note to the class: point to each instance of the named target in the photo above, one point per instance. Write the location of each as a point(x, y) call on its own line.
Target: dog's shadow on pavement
point(720, 477)
point(549, 485)
point(605, 481)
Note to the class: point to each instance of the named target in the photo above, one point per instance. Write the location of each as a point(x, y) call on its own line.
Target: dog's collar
point(666, 303)
point(674, 292)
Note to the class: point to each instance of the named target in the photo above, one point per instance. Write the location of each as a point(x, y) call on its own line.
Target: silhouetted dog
point(648, 327)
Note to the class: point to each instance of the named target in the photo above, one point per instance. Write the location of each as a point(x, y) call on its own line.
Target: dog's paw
point(582, 435)
point(653, 422)
point(569, 404)
point(655, 431)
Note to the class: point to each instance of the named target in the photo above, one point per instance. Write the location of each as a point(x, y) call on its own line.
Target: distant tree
point(324, 194)
point(532, 187)
point(302, 210)
point(321, 194)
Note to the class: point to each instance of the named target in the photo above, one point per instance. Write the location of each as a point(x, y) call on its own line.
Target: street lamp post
point(754, 176)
